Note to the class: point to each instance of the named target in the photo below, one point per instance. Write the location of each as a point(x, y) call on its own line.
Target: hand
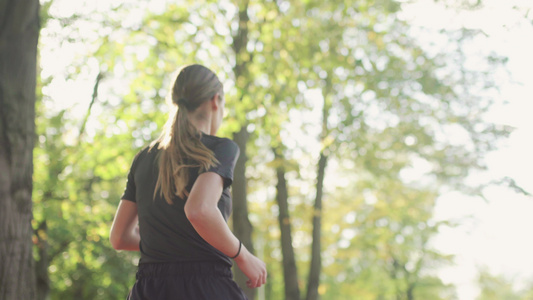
point(252, 267)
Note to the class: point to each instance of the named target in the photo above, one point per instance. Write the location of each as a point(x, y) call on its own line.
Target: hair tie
point(238, 252)
point(182, 102)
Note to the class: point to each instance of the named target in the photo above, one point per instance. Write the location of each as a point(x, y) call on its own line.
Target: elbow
point(196, 214)
point(116, 241)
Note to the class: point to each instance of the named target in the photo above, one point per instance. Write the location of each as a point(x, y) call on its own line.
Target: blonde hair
point(180, 144)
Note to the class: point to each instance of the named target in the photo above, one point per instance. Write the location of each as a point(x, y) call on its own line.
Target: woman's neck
point(202, 124)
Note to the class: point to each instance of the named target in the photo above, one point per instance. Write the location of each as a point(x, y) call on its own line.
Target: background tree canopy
point(350, 127)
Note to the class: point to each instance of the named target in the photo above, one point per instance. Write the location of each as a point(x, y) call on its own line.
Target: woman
point(178, 194)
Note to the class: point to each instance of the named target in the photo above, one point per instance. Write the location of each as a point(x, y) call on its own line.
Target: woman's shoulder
point(218, 144)
point(147, 150)
point(218, 141)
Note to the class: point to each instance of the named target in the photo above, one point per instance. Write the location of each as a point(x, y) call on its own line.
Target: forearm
point(212, 227)
point(130, 242)
point(203, 213)
point(124, 234)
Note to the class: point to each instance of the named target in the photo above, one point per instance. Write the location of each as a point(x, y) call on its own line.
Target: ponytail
point(180, 146)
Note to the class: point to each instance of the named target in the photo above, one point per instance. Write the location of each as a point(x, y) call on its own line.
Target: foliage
point(500, 287)
point(74, 203)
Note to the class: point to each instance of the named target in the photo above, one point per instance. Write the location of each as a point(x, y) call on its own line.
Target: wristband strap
point(238, 252)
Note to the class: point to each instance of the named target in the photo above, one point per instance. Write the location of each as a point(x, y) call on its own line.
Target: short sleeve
point(130, 190)
point(226, 152)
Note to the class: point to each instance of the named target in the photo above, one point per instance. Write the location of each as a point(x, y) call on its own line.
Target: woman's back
point(166, 233)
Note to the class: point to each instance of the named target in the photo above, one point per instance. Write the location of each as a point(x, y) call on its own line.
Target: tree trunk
point(42, 264)
point(313, 281)
point(19, 32)
point(241, 224)
point(316, 259)
point(290, 272)
point(410, 292)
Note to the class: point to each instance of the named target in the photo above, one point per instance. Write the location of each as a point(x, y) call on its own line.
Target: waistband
point(183, 269)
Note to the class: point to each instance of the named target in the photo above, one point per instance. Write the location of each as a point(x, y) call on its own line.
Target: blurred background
point(385, 145)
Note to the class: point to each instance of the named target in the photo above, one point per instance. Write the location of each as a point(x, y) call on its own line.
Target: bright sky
point(497, 235)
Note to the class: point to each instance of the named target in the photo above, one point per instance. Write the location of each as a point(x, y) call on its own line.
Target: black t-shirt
point(166, 233)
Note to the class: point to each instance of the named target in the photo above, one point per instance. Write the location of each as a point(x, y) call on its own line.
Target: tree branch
point(93, 99)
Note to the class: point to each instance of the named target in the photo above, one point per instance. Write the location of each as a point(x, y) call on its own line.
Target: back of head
point(194, 85)
point(180, 144)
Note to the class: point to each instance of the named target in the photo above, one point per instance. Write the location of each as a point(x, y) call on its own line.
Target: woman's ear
point(214, 102)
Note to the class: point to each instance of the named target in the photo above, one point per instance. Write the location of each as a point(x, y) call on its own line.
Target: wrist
point(238, 251)
point(242, 256)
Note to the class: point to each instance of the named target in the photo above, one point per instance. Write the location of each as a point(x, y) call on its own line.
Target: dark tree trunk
point(241, 224)
point(19, 32)
point(43, 262)
point(290, 272)
point(313, 281)
point(316, 257)
point(410, 292)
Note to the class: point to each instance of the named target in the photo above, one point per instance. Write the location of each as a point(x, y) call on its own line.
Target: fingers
point(254, 283)
point(263, 274)
point(255, 270)
point(259, 281)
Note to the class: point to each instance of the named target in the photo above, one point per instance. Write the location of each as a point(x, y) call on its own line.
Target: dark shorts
point(187, 281)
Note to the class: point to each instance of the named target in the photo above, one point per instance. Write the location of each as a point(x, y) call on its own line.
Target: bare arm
point(202, 211)
point(124, 233)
